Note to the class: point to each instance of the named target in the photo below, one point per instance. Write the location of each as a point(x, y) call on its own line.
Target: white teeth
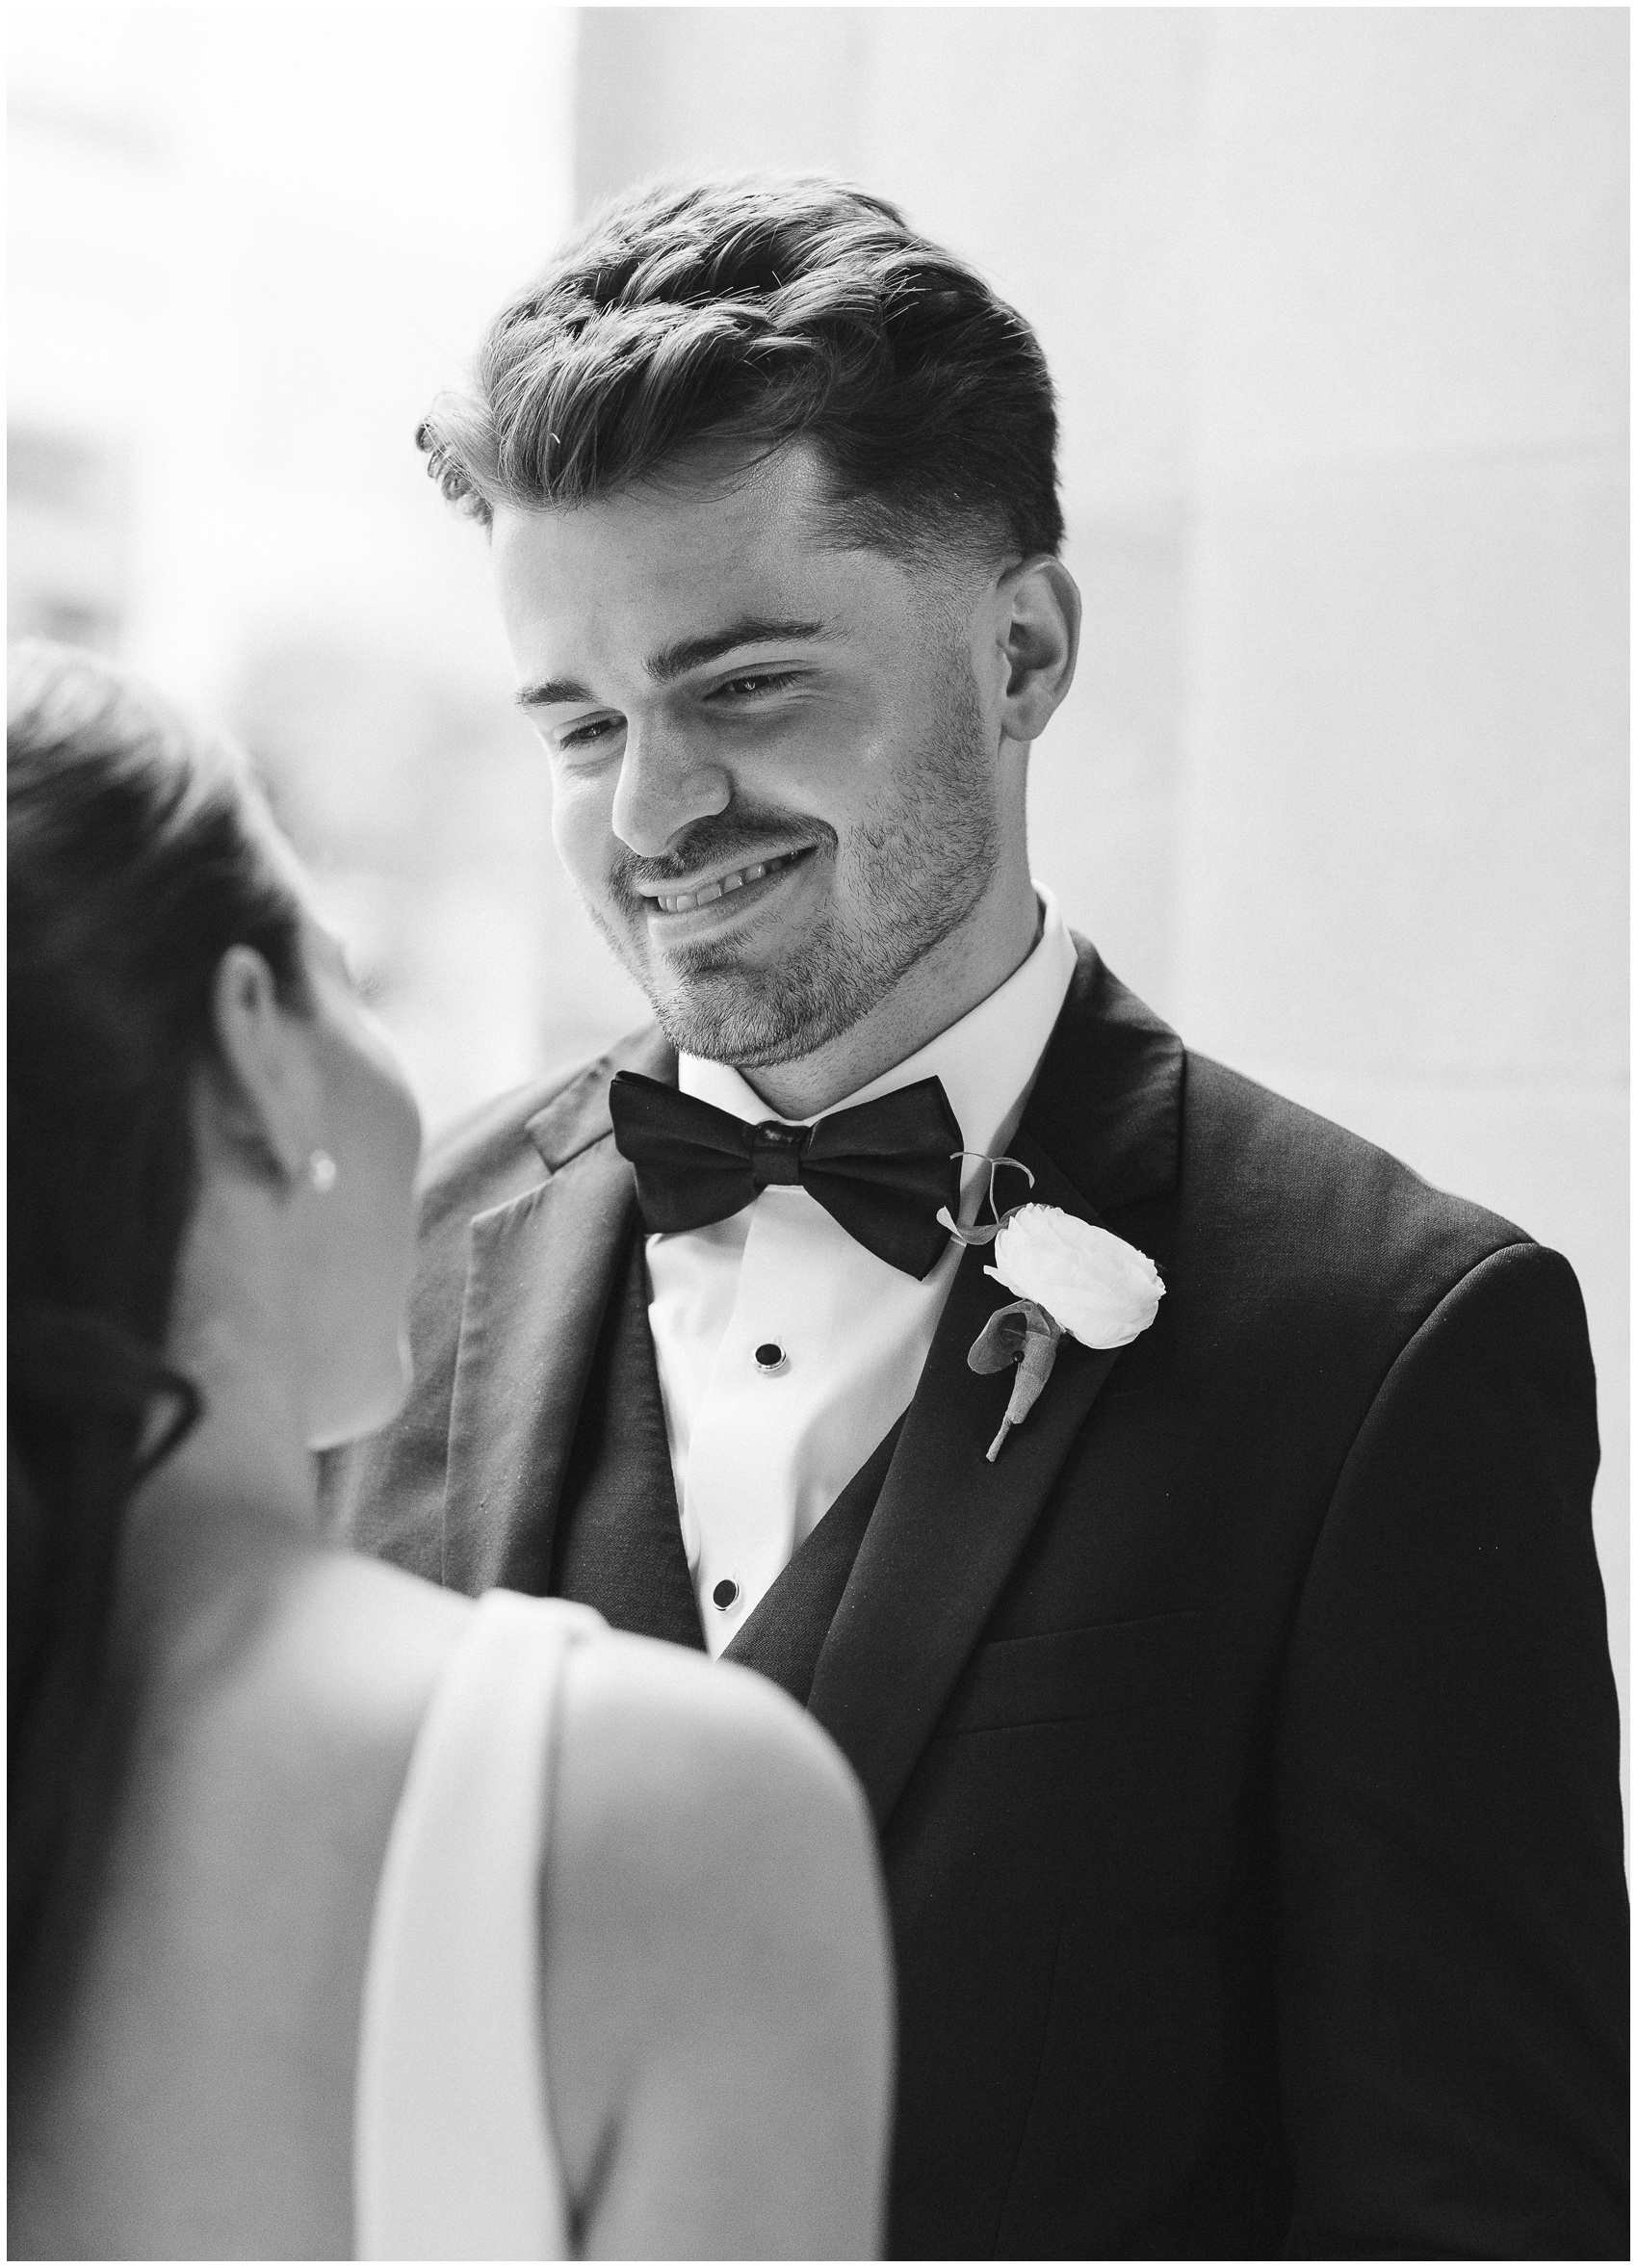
point(687, 899)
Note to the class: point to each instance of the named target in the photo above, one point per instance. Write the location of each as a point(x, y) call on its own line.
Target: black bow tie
point(883, 1168)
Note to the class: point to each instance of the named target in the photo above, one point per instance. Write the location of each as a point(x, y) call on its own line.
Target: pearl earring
point(323, 1171)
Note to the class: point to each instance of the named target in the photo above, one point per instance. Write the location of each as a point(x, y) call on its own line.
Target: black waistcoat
point(618, 1540)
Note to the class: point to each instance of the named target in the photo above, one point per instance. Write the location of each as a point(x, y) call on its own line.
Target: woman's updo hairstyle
point(137, 852)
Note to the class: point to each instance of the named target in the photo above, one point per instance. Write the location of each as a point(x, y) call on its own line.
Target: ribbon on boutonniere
point(1072, 1279)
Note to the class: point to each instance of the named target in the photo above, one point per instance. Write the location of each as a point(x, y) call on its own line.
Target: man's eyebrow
point(551, 690)
point(750, 630)
point(679, 658)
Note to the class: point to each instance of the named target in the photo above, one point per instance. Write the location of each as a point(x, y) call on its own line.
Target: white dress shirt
point(761, 1455)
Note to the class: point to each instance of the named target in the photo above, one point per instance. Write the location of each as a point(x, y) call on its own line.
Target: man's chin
point(750, 1017)
point(721, 1003)
point(730, 1025)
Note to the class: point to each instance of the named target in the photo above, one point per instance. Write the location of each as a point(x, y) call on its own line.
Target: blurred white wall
point(1337, 304)
point(247, 246)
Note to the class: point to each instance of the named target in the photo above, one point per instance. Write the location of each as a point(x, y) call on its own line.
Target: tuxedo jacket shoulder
point(385, 1495)
point(1300, 1262)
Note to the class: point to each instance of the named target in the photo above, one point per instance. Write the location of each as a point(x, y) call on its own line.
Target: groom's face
point(775, 774)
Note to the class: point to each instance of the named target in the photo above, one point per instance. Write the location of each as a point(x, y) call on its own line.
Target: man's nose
point(664, 785)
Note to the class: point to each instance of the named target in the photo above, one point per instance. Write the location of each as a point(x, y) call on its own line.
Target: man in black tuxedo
point(1241, 1737)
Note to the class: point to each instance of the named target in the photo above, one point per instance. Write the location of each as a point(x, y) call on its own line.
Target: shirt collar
point(987, 1060)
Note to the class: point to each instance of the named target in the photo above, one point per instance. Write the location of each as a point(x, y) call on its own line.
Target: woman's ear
point(262, 1089)
point(1040, 633)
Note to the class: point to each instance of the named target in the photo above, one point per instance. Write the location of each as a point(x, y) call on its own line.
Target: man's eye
point(581, 736)
point(755, 682)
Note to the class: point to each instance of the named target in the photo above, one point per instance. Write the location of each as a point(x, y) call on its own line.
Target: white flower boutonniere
point(1070, 1279)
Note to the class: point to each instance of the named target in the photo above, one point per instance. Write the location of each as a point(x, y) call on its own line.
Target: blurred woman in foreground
point(346, 1915)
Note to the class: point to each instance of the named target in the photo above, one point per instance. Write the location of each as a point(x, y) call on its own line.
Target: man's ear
point(261, 1090)
point(1039, 604)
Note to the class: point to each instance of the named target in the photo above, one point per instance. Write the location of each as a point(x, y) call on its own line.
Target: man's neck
point(946, 984)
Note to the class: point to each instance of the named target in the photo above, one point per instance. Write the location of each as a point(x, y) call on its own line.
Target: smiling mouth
point(683, 901)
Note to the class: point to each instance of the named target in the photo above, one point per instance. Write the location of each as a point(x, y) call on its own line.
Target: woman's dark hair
point(761, 310)
point(138, 850)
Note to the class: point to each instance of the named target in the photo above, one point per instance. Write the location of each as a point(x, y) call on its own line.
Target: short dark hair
point(763, 310)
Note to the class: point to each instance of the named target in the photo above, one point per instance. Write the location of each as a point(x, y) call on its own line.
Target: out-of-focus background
point(1337, 304)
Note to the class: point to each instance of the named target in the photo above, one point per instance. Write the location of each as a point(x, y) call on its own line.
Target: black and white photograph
point(818, 995)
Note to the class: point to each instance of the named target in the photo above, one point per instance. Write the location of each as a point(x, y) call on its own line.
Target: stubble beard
point(912, 873)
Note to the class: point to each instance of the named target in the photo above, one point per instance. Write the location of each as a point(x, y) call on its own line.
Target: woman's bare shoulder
point(692, 1734)
point(699, 1789)
point(717, 1992)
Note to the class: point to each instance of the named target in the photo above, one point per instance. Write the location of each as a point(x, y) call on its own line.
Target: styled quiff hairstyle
point(755, 312)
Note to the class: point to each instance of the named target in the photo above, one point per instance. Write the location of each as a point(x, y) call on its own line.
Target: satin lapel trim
point(948, 1527)
point(538, 1283)
point(578, 1115)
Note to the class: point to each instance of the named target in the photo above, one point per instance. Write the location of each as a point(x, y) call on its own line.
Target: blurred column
point(1402, 893)
point(86, 206)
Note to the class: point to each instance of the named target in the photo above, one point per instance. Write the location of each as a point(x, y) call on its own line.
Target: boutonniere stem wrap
point(1072, 1279)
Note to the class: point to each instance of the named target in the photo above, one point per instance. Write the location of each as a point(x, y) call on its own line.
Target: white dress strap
point(452, 2149)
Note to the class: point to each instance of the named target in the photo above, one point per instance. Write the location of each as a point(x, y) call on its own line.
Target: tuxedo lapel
point(618, 1545)
point(948, 1527)
point(538, 1282)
